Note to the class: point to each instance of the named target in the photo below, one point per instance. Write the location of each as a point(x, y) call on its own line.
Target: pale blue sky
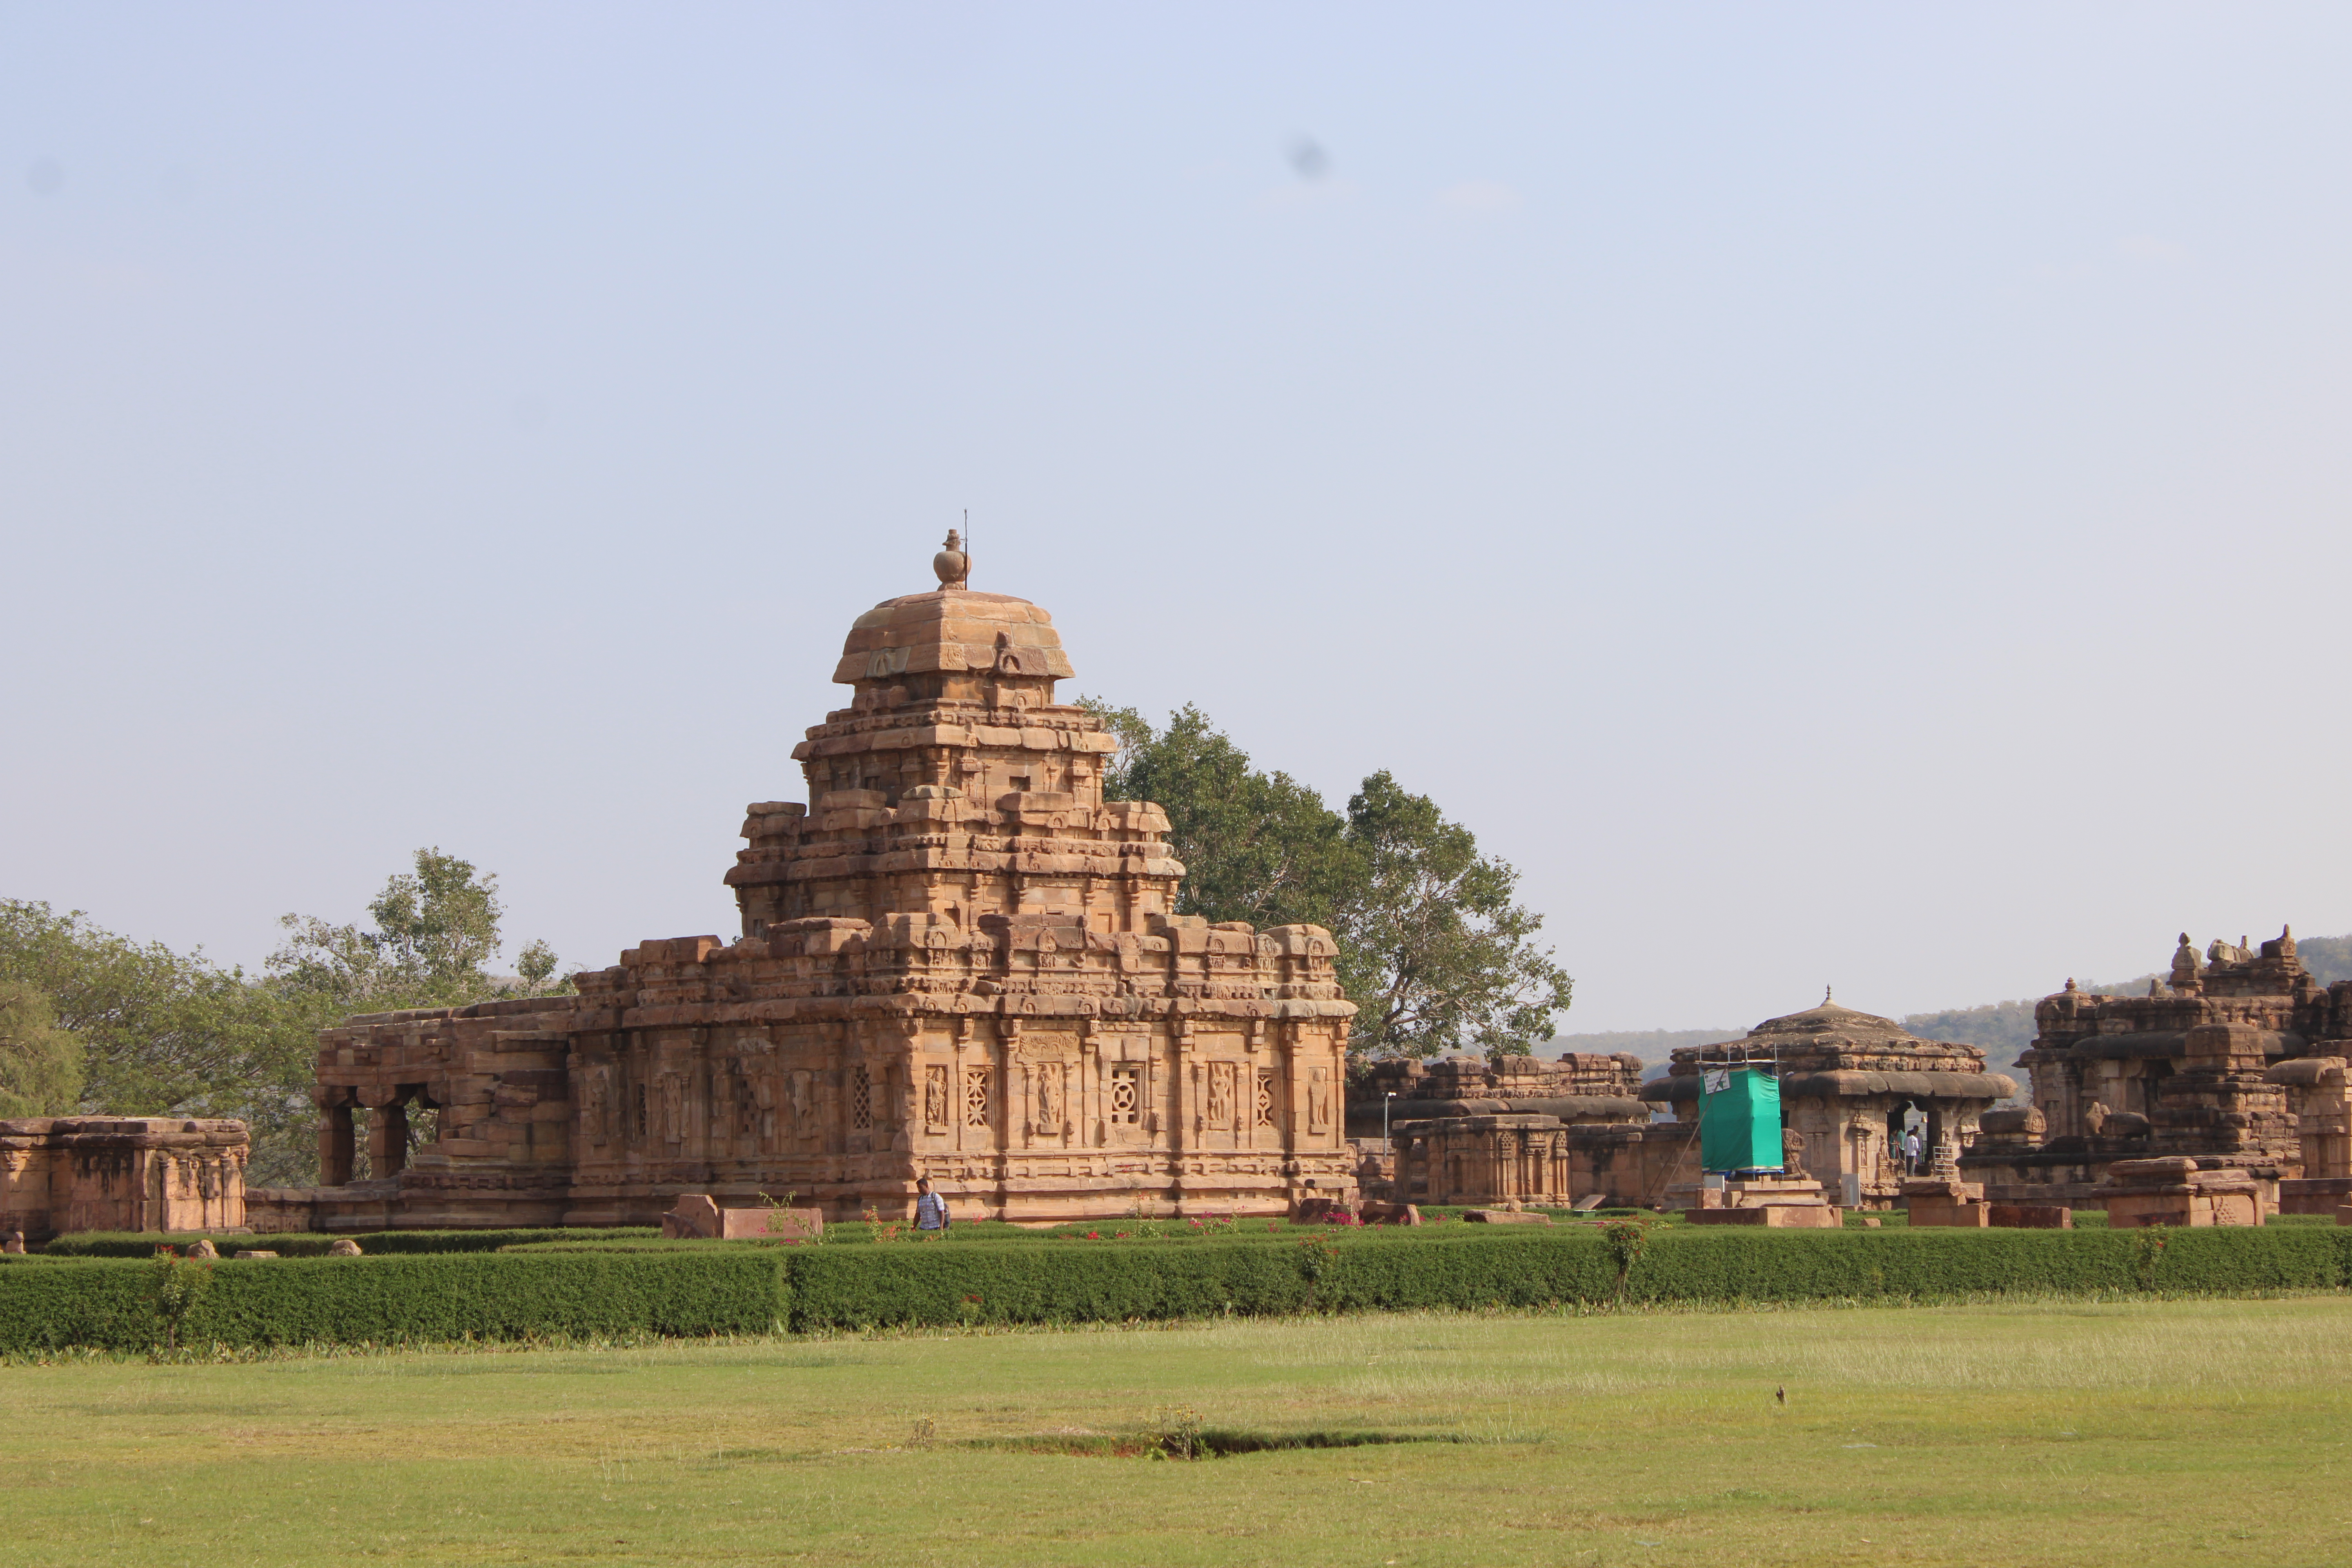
point(1834, 493)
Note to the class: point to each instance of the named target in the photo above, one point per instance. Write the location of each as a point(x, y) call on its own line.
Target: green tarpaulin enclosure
point(1738, 1120)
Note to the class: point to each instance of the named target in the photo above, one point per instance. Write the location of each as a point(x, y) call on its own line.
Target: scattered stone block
point(1390, 1214)
point(1504, 1217)
point(1774, 1216)
point(1941, 1201)
point(344, 1248)
point(1786, 1203)
point(250, 1255)
point(15, 1244)
point(694, 1216)
point(2172, 1190)
point(1319, 1211)
point(1587, 1204)
point(2031, 1216)
point(203, 1248)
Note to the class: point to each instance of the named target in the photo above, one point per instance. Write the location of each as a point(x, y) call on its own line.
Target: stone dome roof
point(952, 629)
point(1830, 1018)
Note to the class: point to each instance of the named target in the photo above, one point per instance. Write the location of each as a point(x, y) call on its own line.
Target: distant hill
point(2328, 957)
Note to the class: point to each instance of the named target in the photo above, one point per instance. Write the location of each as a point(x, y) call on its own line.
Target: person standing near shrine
point(1911, 1151)
point(930, 1209)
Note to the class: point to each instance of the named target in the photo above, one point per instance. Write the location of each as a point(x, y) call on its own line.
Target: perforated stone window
point(977, 1092)
point(861, 1099)
point(1126, 1098)
point(641, 1110)
point(1265, 1100)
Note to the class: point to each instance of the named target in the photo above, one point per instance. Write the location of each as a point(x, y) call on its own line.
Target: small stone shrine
point(62, 1173)
point(956, 961)
point(2235, 1063)
point(1848, 1079)
point(1469, 1131)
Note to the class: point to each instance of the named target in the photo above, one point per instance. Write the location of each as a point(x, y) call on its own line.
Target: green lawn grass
point(2069, 1435)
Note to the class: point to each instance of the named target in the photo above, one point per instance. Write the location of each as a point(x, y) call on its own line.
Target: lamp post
point(1388, 1150)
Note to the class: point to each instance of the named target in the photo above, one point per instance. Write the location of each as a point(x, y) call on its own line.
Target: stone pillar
point(388, 1140)
point(336, 1145)
point(1943, 1141)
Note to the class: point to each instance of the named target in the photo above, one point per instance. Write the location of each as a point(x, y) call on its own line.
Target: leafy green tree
point(40, 1064)
point(1433, 950)
point(161, 1033)
point(435, 931)
point(1442, 956)
point(1261, 848)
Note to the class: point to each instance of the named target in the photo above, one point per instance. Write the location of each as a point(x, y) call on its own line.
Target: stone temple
point(1848, 1081)
point(956, 961)
point(1519, 1129)
point(2233, 1067)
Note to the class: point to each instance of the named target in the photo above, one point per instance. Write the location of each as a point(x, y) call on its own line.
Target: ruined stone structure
point(1548, 1133)
point(62, 1173)
point(1785, 1201)
point(958, 961)
point(2234, 1063)
point(1847, 1081)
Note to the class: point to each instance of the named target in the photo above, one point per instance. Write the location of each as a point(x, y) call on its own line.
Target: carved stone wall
point(2207, 1066)
point(63, 1173)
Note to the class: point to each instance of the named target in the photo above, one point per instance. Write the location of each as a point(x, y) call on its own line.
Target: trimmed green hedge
point(1345, 1272)
point(707, 1288)
point(1017, 1283)
point(111, 1304)
point(312, 1244)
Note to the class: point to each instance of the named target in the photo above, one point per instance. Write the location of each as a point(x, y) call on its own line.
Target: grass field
point(2067, 1435)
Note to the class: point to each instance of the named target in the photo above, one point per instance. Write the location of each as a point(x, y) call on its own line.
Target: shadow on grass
point(1181, 1441)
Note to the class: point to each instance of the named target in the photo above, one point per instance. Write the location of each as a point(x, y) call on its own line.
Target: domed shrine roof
point(1829, 1019)
point(951, 627)
point(1842, 1052)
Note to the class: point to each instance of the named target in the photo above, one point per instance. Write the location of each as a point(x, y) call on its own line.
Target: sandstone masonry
point(956, 961)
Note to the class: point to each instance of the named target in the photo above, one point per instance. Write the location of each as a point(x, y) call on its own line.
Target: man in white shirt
point(930, 1209)
point(1911, 1151)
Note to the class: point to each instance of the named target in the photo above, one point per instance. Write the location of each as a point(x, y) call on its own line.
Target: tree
point(1443, 958)
point(436, 929)
point(162, 1034)
point(1432, 950)
point(40, 1064)
point(1261, 848)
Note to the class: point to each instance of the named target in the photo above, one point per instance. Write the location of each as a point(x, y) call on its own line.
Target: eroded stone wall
point(65, 1174)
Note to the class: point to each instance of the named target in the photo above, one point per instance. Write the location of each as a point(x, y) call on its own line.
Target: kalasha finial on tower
point(952, 566)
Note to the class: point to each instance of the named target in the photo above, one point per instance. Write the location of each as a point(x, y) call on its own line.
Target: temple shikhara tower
point(956, 961)
point(2229, 1068)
